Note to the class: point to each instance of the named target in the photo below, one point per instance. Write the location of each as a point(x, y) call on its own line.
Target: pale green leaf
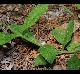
point(62, 36)
point(35, 14)
point(73, 47)
point(30, 19)
point(69, 32)
point(5, 38)
point(17, 29)
point(59, 35)
point(48, 52)
point(29, 37)
point(73, 63)
point(78, 48)
point(39, 60)
point(78, 6)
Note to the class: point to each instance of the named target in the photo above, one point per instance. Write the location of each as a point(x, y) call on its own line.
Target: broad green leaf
point(62, 36)
point(73, 63)
point(73, 47)
point(69, 32)
point(17, 29)
point(30, 20)
point(39, 60)
point(78, 48)
point(5, 38)
point(59, 35)
point(48, 52)
point(78, 6)
point(29, 36)
point(35, 14)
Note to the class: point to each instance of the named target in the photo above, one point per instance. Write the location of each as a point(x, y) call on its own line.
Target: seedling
point(49, 53)
point(22, 30)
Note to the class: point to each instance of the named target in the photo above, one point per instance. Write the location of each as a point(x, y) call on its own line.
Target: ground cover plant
point(47, 53)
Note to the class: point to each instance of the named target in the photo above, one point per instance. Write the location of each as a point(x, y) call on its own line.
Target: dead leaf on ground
point(76, 37)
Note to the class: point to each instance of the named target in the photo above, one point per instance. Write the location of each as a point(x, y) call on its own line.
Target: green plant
point(64, 37)
point(47, 53)
point(78, 6)
point(22, 30)
point(73, 63)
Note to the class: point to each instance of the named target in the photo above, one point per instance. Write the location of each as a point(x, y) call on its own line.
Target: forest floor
point(18, 54)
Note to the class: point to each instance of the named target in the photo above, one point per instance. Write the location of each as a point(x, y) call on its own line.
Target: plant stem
point(67, 52)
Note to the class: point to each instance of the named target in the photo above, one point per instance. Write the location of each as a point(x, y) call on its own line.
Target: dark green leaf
point(48, 52)
point(73, 63)
point(39, 60)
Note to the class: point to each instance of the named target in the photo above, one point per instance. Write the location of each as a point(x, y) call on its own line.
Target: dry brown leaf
point(23, 50)
point(33, 54)
point(76, 37)
point(53, 23)
point(76, 25)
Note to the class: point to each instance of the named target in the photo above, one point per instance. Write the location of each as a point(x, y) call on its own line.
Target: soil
point(18, 54)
